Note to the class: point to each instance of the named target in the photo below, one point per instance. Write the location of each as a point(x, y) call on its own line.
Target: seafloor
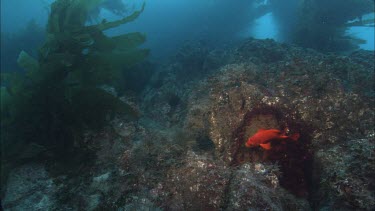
point(187, 151)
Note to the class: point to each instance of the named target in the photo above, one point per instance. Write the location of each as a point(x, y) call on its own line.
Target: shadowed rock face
point(188, 153)
point(238, 108)
point(326, 99)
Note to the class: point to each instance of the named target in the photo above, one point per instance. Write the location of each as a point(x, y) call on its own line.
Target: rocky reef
point(187, 150)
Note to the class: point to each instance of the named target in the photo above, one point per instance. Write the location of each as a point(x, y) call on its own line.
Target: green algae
point(61, 94)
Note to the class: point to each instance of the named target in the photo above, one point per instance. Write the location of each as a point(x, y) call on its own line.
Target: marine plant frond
point(78, 10)
point(59, 95)
point(27, 62)
point(128, 41)
point(108, 25)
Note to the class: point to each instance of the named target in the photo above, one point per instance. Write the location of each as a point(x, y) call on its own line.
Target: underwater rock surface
point(187, 151)
point(30, 188)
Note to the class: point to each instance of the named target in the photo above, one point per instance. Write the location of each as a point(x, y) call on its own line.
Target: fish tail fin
point(266, 146)
point(295, 136)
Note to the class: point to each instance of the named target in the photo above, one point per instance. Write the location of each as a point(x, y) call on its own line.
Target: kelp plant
point(61, 94)
point(322, 24)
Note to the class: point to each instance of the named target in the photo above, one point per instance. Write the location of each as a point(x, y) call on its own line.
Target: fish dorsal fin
point(266, 146)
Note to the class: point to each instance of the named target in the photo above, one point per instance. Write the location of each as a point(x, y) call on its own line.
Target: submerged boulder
point(326, 99)
point(187, 151)
point(29, 187)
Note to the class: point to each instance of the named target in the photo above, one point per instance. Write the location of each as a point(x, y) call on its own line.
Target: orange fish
point(264, 137)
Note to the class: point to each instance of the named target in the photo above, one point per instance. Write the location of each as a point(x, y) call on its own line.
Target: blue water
point(265, 28)
point(364, 32)
point(170, 23)
point(15, 14)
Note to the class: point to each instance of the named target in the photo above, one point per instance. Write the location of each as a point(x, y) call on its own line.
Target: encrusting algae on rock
point(194, 155)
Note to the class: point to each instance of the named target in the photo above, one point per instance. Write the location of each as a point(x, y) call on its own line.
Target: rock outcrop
point(187, 151)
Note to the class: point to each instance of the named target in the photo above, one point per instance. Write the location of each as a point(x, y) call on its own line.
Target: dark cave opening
point(203, 143)
point(294, 158)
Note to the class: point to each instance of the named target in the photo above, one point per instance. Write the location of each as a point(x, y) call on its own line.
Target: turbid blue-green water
point(187, 105)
